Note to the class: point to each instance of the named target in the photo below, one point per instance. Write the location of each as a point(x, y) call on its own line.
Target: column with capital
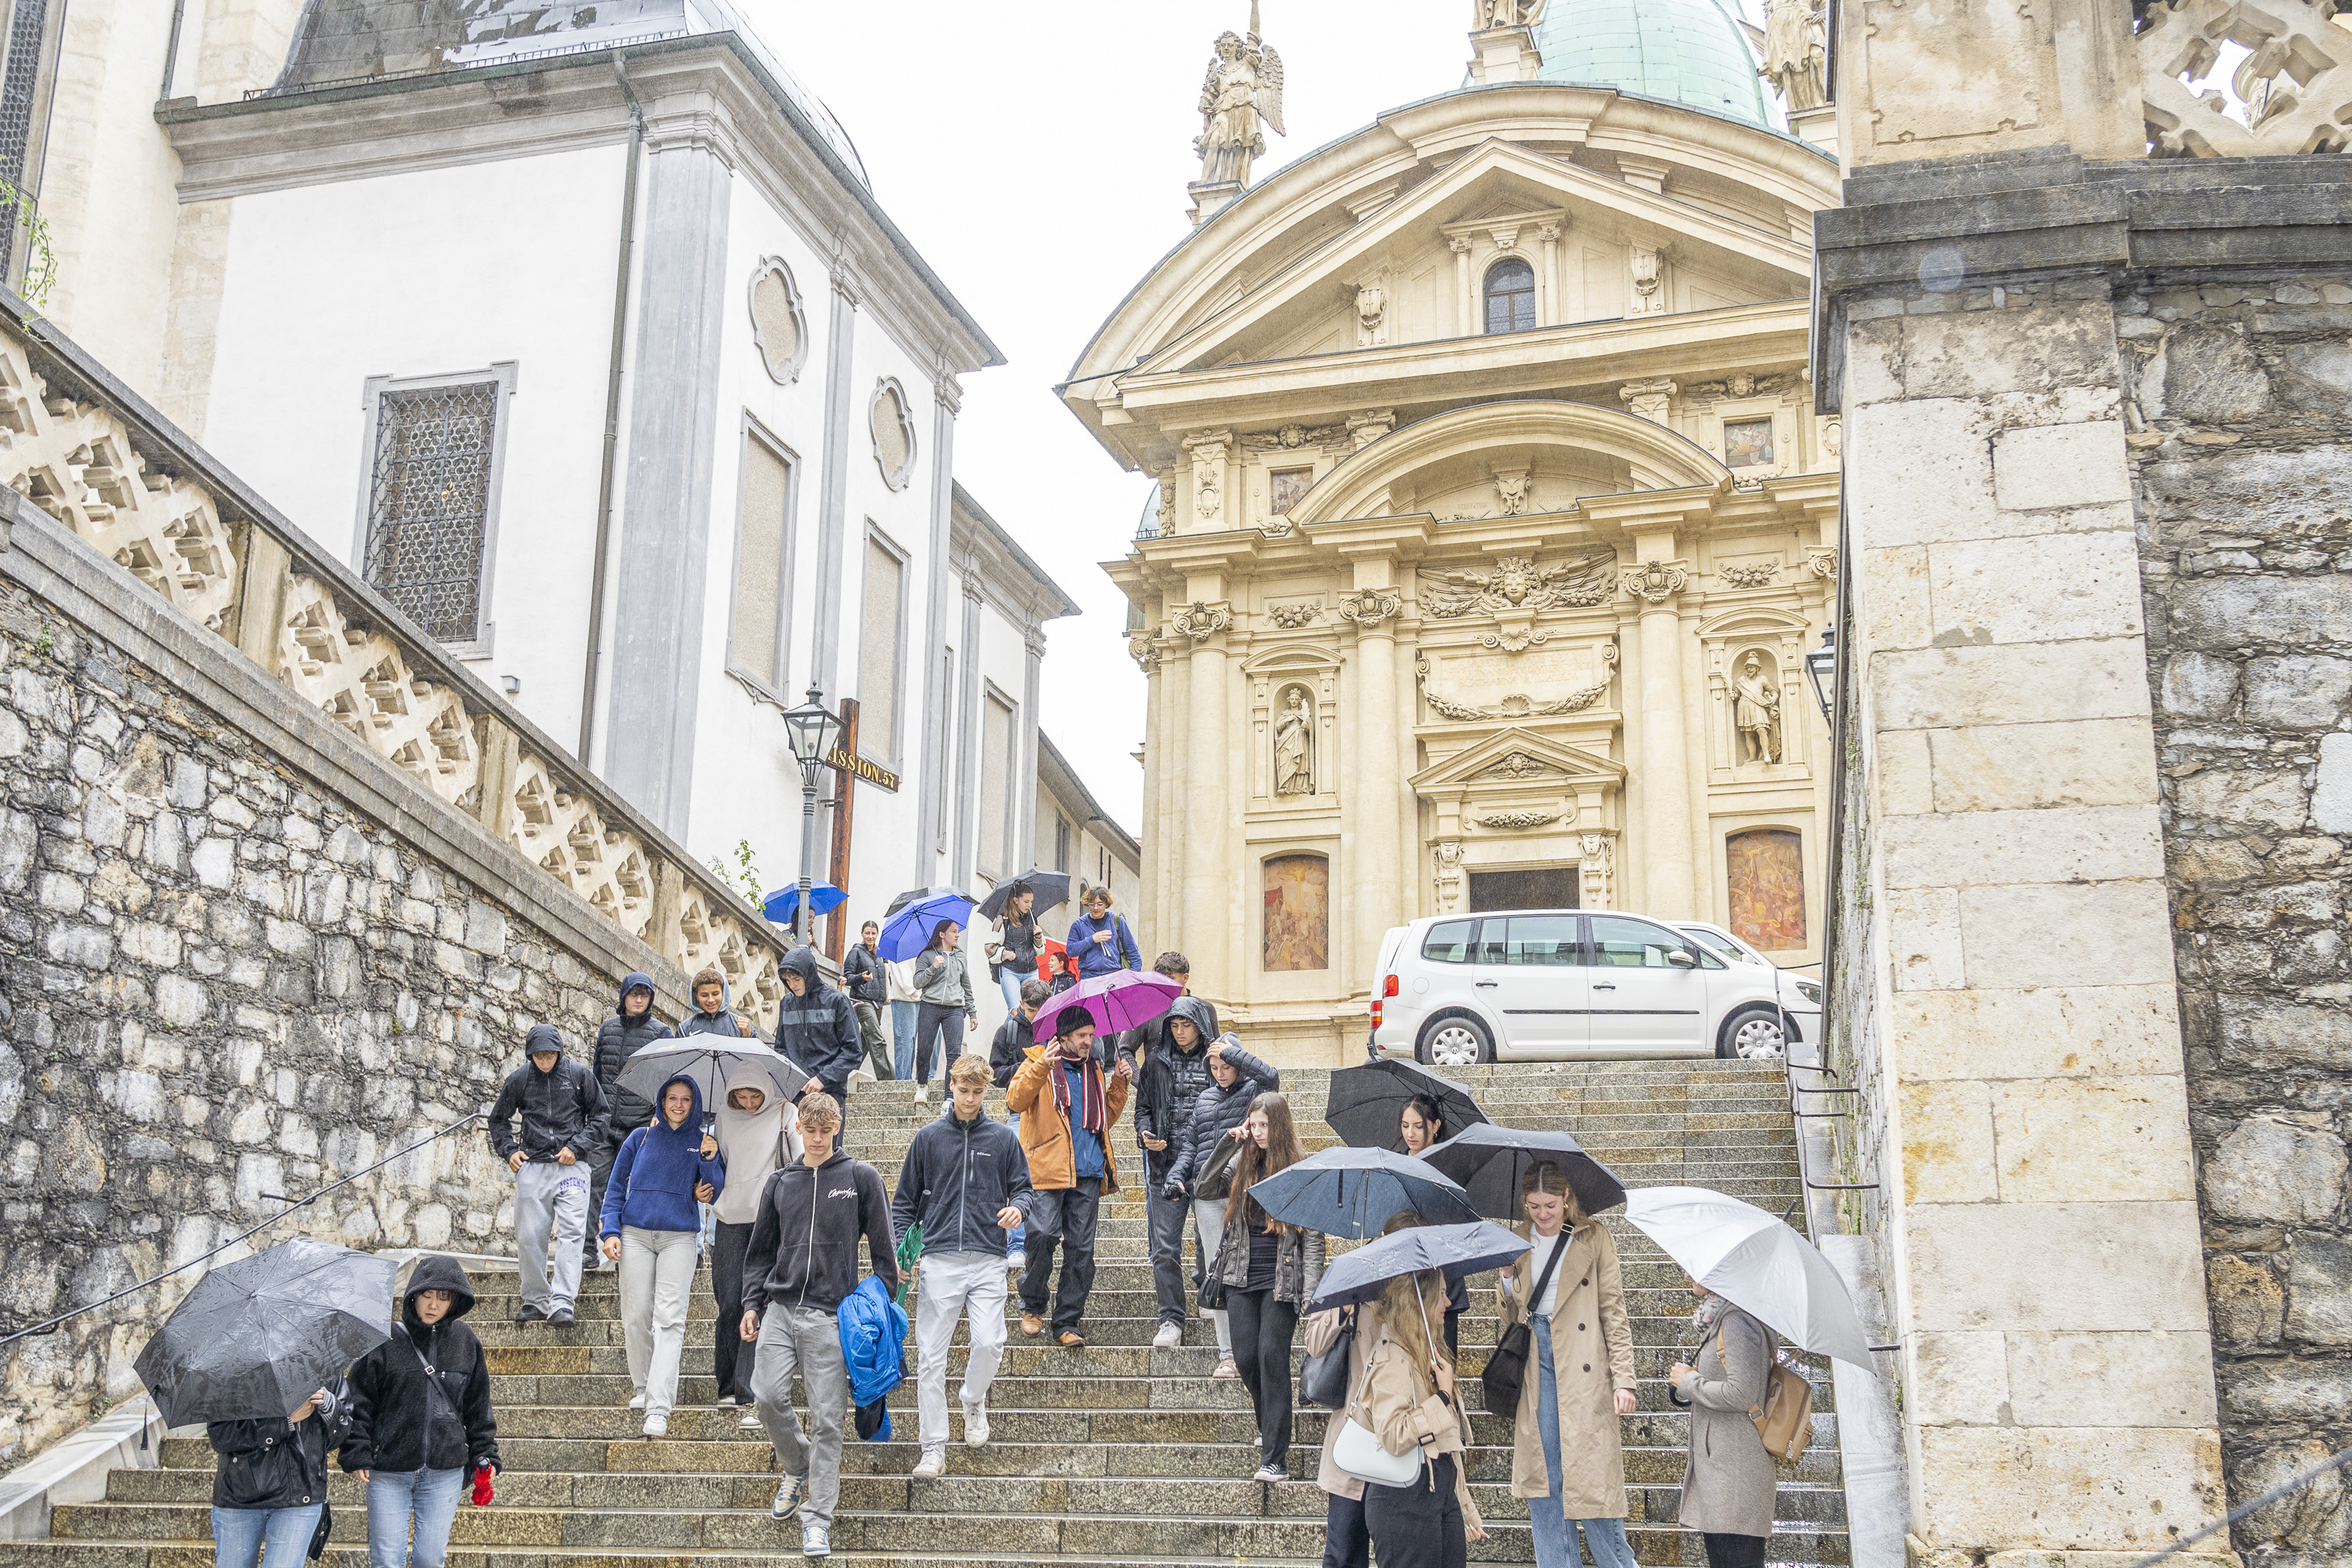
point(1369, 777)
point(1208, 913)
point(1549, 313)
point(1465, 295)
point(1669, 875)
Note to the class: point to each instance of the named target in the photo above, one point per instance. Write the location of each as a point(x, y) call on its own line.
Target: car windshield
point(1714, 944)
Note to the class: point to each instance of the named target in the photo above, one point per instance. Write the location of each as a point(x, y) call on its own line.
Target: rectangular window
point(995, 785)
point(430, 526)
point(1619, 942)
point(1289, 484)
point(1747, 443)
point(881, 644)
point(1450, 941)
point(1061, 842)
point(756, 629)
point(1539, 939)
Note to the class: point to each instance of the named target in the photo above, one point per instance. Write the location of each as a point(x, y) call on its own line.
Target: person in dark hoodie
point(269, 1483)
point(1005, 1050)
point(1174, 1070)
point(803, 1264)
point(563, 1118)
point(630, 1030)
point(421, 1419)
point(867, 981)
point(816, 1025)
point(653, 1229)
point(710, 1015)
point(1198, 1176)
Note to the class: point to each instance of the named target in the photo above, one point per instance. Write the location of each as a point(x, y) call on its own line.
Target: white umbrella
point(716, 1063)
point(1757, 1264)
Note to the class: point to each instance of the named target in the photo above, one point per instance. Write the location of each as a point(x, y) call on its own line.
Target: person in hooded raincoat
point(757, 1137)
point(560, 1108)
point(816, 1027)
point(652, 1226)
point(1172, 1070)
point(630, 1030)
point(413, 1445)
point(711, 1015)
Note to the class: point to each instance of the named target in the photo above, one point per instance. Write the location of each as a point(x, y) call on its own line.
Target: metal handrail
point(52, 1326)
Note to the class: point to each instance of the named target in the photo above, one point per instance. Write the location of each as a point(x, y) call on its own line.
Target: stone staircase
point(1116, 1454)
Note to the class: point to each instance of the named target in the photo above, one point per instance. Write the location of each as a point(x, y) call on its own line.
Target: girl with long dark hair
point(1270, 1271)
point(1421, 1127)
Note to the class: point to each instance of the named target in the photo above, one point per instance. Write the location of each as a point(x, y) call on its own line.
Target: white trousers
point(946, 1285)
point(1209, 1228)
point(548, 1197)
point(656, 1278)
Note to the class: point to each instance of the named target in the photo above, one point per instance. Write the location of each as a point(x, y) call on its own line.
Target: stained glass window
point(429, 501)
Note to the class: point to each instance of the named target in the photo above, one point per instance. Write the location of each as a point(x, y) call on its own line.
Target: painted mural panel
point(1766, 869)
point(1297, 912)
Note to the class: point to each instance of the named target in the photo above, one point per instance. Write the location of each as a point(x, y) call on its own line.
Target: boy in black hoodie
point(421, 1419)
point(816, 1025)
point(563, 1118)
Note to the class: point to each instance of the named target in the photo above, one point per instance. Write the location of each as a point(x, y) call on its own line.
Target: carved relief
point(1512, 493)
point(1209, 452)
point(1822, 563)
point(1211, 503)
point(1649, 399)
point(1445, 860)
point(892, 424)
point(1516, 705)
point(1745, 386)
point(566, 836)
point(1514, 638)
point(1656, 580)
point(1648, 273)
point(1371, 316)
point(1600, 867)
point(1517, 583)
point(1140, 649)
point(1365, 429)
point(1754, 576)
point(1755, 711)
point(1370, 606)
point(2296, 83)
point(1290, 618)
point(1294, 745)
point(360, 680)
point(1202, 621)
point(1516, 821)
point(1167, 510)
point(779, 328)
point(1517, 766)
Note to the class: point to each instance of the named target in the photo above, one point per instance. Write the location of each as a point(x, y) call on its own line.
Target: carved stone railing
point(94, 455)
point(2295, 80)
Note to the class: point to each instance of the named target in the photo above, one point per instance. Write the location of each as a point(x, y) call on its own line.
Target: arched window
point(1511, 296)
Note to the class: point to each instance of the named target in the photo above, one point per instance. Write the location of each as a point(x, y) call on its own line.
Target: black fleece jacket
point(617, 1039)
point(561, 1109)
point(276, 1463)
point(956, 1176)
point(396, 1424)
point(803, 1250)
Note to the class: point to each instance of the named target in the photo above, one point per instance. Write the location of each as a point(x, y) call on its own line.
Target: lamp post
point(1820, 668)
point(811, 731)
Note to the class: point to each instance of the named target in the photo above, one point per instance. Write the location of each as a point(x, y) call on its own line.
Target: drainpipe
point(611, 413)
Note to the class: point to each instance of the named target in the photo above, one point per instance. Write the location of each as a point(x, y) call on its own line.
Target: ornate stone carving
point(1371, 316)
point(1166, 511)
point(1650, 399)
point(1822, 563)
point(1517, 583)
point(1291, 437)
point(1140, 649)
point(1294, 745)
point(1599, 864)
point(1209, 452)
point(778, 328)
point(1755, 711)
point(1369, 427)
point(1754, 576)
point(1516, 821)
point(2296, 83)
point(566, 836)
point(1517, 766)
point(1648, 277)
point(1370, 606)
point(1290, 618)
point(1833, 436)
point(1243, 85)
point(1210, 501)
point(1744, 386)
point(1796, 52)
point(1501, 13)
point(1656, 580)
point(1515, 638)
point(1445, 860)
point(1512, 493)
point(1516, 705)
point(1201, 621)
point(892, 422)
point(360, 680)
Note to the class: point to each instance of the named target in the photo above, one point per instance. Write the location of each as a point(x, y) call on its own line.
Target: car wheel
point(1455, 1041)
point(1754, 1034)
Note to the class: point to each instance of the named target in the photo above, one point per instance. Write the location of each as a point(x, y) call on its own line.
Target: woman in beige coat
point(1345, 1543)
point(1407, 1402)
point(1567, 1457)
point(1729, 1488)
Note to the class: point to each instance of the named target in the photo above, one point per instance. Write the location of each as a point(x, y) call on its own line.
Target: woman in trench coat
point(1567, 1457)
point(1729, 1490)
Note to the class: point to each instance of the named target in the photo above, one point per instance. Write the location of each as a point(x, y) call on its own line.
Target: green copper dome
point(1685, 51)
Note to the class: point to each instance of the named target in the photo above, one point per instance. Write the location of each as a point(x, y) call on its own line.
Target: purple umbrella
point(1120, 1000)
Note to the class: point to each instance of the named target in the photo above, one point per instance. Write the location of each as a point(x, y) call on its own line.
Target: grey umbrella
point(716, 1063)
point(1488, 1161)
point(258, 1337)
point(1354, 1192)
point(1052, 887)
point(1458, 1250)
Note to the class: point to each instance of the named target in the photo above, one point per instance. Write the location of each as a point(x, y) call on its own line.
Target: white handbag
point(1360, 1454)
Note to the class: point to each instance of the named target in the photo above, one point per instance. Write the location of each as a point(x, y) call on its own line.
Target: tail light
point(1376, 1011)
point(1389, 986)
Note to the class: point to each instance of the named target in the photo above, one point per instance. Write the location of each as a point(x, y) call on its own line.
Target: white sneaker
point(814, 1542)
point(789, 1492)
point(932, 1465)
point(750, 1418)
point(922, 1094)
point(656, 1425)
point(637, 1401)
point(726, 1400)
point(1170, 1336)
point(975, 1424)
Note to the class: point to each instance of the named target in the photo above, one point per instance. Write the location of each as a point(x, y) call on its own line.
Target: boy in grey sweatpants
point(561, 1107)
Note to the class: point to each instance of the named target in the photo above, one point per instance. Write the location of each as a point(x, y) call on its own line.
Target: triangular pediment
point(1516, 756)
point(1306, 304)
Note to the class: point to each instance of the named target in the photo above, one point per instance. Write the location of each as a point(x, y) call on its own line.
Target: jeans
point(657, 1276)
point(1734, 1551)
point(730, 1358)
point(808, 1341)
point(944, 1025)
point(548, 1197)
point(1008, 980)
point(1556, 1534)
point(1065, 1217)
point(395, 1495)
point(264, 1537)
point(951, 1283)
point(1346, 1542)
point(902, 1036)
point(1263, 1328)
point(869, 1030)
point(1419, 1524)
point(1208, 1230)
point(1163, 1224)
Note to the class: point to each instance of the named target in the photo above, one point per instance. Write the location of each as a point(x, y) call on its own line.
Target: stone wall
point(2240, 389)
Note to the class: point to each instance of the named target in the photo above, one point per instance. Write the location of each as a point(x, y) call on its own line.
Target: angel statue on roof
point(1244, 87)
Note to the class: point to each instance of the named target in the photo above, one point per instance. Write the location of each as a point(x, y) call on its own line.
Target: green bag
point(909, 1250)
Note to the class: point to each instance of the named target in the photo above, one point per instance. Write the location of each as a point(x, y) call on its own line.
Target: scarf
point(1094, 1115)
point(1703, 1319)
point(753, 1143)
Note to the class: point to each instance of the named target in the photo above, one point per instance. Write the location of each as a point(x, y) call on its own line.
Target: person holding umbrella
point(421, 1420)
point(1407, 1401)
point(269, 1482)
point(1420, 1126)
point(1270, 1272)
point(653, 1227)
point(1067, 1107)
point(1199, 1175)
point(866, 978)
point(1013, 956)
point(943, 980)
point(1730, 1483)
point(1568, 1457)
point(756, 1139)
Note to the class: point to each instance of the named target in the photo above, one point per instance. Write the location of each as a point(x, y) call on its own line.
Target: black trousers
point(943, 1023)
point(1064, 1218)
point(1262, 1329)
point(1346, 1542)
point(1735, 1550)
point(730, 1358)
point(1418, 1525)
point(591, 1244)
point(1453, 1333)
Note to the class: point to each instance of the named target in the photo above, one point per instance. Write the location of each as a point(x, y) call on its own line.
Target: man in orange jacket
point(1067, 1107)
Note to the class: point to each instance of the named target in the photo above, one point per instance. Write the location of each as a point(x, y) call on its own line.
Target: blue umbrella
point(909, 931)
point(1458, 1250)
point(778, 906)
point(1354, 1192)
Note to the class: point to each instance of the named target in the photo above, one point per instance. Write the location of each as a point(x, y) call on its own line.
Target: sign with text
point(858, 767)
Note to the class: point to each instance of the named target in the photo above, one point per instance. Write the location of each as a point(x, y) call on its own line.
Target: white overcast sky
point(1036, 154)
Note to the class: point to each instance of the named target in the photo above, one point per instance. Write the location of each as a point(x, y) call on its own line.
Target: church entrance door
point(1536, 888)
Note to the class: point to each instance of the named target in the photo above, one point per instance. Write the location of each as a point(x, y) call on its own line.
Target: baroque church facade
point(1493, 519)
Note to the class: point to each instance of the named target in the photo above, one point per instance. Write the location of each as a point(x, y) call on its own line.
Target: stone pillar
point(1465, 292)
point(1208, 913)
point(1022, 853)
point(1549, 313)
point(931, 730)
point(1369, 782)
point(1662, 784)
point(843, 412)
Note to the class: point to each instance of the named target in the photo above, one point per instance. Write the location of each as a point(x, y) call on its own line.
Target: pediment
point(1304, 304)
point(1513, 756)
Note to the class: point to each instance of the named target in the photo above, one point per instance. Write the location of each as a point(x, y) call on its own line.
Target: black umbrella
point(1354, 1192)
point(260, 1336)
point(911, 894)
point(1489, 1161)
point(1052, 887)
point(1460, 1250)
point(1366, 1101)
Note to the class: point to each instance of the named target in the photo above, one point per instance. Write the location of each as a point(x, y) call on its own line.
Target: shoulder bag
point(1785, 1417)
point(1506, 1367)
point(1323, 1381)
point(1215, 1179)
point(1358, 1452)
point(1212, 1285)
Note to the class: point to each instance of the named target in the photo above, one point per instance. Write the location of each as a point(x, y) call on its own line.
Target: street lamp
point(1820, 668)
point(811, 731)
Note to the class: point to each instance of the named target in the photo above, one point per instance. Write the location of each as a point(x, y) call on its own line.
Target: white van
point(1566, 985)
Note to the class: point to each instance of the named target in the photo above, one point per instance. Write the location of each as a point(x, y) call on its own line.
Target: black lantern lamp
point(812, 730)
point(1820, 668)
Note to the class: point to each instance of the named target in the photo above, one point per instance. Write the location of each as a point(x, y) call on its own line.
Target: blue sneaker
point(814, 1542)
point(788, 1496)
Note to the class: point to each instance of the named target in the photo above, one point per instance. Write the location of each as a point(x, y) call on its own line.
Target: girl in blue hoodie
point(652, 1226)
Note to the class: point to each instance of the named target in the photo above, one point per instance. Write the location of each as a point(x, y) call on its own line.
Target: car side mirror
point(1680, 958)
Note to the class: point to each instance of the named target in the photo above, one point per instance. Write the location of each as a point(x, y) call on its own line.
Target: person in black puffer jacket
point(269, 1485)
point(1236, 1078)
point(1173, 1072)
point(412, 1446)
point(629, 1030)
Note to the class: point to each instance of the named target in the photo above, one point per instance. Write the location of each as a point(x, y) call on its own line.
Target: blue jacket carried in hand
point(872, 1345)
point(654, 1175)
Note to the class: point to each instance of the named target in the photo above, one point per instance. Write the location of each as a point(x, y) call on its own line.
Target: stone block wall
point(2239, 389)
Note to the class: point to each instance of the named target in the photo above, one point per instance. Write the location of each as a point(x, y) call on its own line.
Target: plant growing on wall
point(40, 261)
point(745, 878)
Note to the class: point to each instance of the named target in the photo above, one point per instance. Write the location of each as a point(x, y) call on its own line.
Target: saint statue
point(1243, 85)
point(1756, 713)
point(1796, 53)
point(1294, 748)
point(1505, 13)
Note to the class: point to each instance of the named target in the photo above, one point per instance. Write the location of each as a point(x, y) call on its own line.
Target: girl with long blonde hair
point(1410, 1404)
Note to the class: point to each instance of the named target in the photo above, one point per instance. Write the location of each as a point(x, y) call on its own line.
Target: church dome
point(1683, 51)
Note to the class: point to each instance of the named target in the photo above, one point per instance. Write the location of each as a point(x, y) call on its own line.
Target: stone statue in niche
point(1294, 745)
point(1503, 13)
point(1756, 712)
point(1796, 52)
